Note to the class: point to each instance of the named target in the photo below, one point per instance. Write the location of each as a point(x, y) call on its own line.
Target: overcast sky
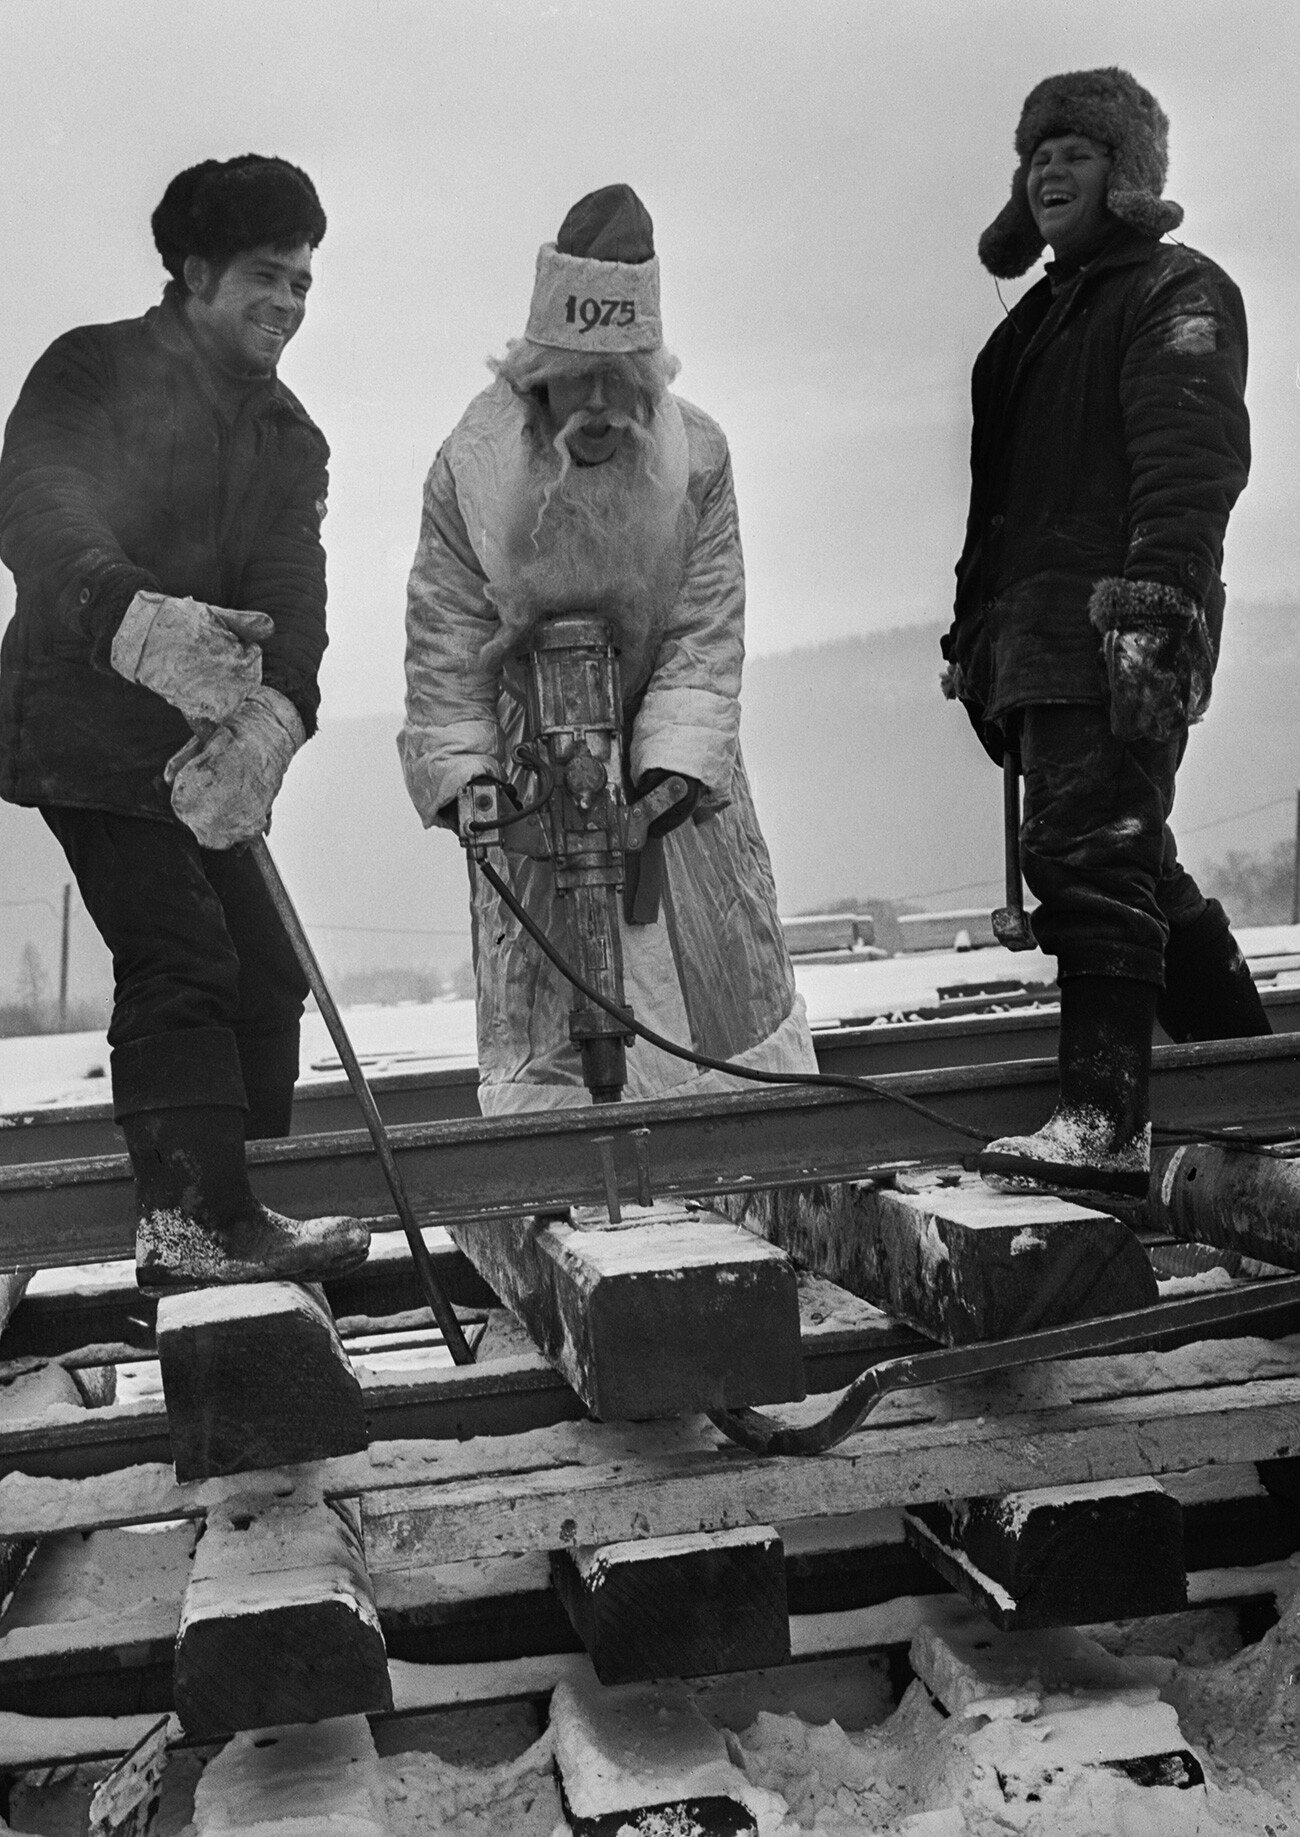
point(818, 174)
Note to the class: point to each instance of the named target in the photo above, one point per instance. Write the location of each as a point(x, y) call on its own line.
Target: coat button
point(84, 596)
point(996, 522)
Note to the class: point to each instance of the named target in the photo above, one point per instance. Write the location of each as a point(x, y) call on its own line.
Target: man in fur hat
point(1110, 443)
point(161, 495)
point(578, 481)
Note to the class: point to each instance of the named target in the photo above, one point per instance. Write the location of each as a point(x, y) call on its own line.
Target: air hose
point(836, 1080)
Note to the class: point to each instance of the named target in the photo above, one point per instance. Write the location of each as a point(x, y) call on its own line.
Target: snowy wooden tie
point(278, 1623)
point(1058, 1556)
point(1063, 1701)
point(255, 1376)
point(678, 1606)
point(960, 1262)
point(673, 1309)
point(643, 1758)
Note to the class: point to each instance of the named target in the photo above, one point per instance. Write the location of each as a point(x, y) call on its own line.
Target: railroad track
point(424, 1096)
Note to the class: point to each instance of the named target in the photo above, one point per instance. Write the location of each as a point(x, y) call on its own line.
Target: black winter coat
point(1111, 439)
point(128, 464)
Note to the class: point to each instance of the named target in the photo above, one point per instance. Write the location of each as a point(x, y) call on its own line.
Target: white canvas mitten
point(201, 659)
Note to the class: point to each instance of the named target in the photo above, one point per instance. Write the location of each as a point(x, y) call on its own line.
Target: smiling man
point(161, 495)
point(1110, 443)
point(579, 481)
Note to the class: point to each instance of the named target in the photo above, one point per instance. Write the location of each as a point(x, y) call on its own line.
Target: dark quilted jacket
point(1110, 438)
point(127, 465)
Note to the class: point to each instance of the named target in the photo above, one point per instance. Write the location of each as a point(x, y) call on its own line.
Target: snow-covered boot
point(1098, 1139)
point(1209, 992)
point(200, 1223)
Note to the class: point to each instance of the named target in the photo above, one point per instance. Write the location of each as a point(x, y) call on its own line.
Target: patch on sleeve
point(1193, 335)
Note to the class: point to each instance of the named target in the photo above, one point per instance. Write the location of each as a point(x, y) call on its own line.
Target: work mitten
point(1159, 662)
point(223, 786)
point(677, 814)
point(202, 659)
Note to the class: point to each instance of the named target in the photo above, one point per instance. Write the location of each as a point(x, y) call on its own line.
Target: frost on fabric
point(1193, 335)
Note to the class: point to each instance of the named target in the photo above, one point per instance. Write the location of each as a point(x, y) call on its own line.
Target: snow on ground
point(884, 1771)
point(59, 1069)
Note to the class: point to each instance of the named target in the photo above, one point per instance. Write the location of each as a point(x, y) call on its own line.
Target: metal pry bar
point(443, 1312)
point(1161, 1328)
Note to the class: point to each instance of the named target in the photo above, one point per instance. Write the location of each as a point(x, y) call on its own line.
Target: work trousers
point(208, 994)
point(1096, 847)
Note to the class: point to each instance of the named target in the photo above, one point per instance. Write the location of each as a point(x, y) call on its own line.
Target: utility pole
point(1295, 872)
point(63, 956)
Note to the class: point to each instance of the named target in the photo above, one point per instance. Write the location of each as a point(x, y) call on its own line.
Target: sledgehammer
point(443, 1311)
point(1011, 922)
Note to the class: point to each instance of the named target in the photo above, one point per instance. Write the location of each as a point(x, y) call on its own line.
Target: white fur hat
point(597, 284)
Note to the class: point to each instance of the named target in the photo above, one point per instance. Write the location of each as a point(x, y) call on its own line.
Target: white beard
point(608, 539)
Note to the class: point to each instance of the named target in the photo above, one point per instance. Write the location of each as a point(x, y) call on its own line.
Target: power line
point(1234, 816)
point(1237, 815)
point(967, 886)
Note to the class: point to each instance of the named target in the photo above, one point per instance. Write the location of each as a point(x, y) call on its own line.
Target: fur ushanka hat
point(219, 208)
point(1109, 106)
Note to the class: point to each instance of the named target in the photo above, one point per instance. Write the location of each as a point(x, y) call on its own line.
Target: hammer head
point(1011, 928)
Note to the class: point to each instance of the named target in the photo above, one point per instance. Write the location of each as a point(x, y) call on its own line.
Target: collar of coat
point(1127, 248)
point(166, 324)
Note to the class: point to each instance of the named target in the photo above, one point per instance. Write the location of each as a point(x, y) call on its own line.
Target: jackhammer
point(579, 821)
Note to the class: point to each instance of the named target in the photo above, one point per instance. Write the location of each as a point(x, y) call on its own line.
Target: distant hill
point(867, 783)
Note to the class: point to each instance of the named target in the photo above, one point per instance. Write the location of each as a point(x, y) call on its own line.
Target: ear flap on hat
point(1142, 209)
point(1012, 243)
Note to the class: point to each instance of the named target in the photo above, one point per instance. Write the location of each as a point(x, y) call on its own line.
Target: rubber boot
point(200, 1224)
point(1209, 992)
point(1098, 1139)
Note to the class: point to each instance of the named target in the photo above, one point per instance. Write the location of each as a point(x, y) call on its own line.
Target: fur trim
point(581, 304)
point(1011, 244)
point(1107, 105)
point(221, 207)
point(1132, 605)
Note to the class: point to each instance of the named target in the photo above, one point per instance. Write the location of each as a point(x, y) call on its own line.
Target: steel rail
point(80, 1211)
point(956, 1036)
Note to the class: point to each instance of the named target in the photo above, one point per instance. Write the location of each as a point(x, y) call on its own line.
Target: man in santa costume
point(577, 482)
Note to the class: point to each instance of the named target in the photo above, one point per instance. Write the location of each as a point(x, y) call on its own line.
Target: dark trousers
point(1096, 846)
point(208, 993)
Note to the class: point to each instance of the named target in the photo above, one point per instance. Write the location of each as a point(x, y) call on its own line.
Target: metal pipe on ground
point(1235, 1199)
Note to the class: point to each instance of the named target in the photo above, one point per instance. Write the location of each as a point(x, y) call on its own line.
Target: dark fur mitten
point(1159, 660)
